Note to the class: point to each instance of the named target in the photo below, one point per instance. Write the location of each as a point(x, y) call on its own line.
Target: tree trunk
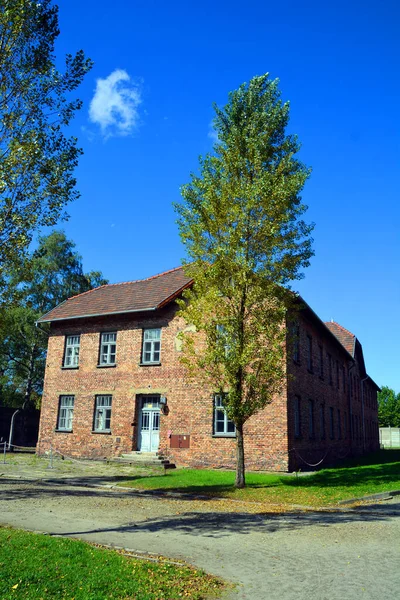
point(240, 476)
point(29, 380)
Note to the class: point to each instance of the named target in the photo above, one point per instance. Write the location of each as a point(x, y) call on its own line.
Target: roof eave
point(326, 328)
point(103, 314)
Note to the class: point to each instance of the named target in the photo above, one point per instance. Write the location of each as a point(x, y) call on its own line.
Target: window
point(65, 413)
point(339, 424)
point(102, 413)
point(309, 354)
point(322, 420)
point(222, 425)
point(344, 378)
point(330, 369)
point(297, 420)
point(71, 355)
point(296, 342)
point(151, 346)
point(222, 339)
point(321, 362)
point(337, 375)
point(311, 418)
point(108, 347)
point(331, 423)
point(345, 425)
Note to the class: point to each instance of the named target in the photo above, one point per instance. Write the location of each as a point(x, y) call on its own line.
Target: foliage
point(378, 472)
point(37, 160)
point(40, 567)
point(49, 276)
point(388, 408)
point(240, 222)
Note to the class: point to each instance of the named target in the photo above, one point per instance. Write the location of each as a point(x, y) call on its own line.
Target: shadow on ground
point(219, 525)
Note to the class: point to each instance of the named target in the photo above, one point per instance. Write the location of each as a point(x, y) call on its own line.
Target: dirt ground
point(319, 556)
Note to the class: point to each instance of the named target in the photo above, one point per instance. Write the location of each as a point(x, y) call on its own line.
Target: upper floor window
point(222, 425)
point(66, 413)
point(151, 346)
point(102, 413)
point(321, 361)
point(108, 348)
point(330, 368)
point(309, 354)
point(295, 329)
point(337, 375)
point(71, 355)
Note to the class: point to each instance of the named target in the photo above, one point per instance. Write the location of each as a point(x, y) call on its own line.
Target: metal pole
point(51, 456)
point(5, 450)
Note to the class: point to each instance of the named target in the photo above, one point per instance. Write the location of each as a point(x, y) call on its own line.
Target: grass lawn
point(371, 474)
point(39, 567)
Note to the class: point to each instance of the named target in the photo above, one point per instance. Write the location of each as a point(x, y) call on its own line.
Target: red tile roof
point(345, 337)
point(132, 296)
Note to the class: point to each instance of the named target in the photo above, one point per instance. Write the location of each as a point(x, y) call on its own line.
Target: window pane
point(230, 427)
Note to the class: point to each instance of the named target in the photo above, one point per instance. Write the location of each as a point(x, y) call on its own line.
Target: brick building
point(114, 384)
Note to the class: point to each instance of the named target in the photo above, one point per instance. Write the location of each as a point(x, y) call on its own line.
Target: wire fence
point(52, 454)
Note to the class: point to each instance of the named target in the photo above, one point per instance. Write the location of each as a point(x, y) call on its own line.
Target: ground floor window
point(222, 425)
point(66, 413)
point(102, 413)
point(297, 418)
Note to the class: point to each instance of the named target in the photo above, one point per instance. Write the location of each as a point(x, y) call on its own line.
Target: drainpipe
point(362, 408)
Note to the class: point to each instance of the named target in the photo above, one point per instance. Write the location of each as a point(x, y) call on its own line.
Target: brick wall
point(322, 393)
point(270, 440)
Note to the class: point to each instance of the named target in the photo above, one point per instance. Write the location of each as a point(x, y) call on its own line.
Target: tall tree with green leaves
point(240, 221)
point(52, 274)
point(388, 407)
point(37, 158)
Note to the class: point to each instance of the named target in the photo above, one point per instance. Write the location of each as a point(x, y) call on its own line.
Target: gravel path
point(310, 556)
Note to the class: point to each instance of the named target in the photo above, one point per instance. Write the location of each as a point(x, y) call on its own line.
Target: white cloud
point(114, 106)
point(212, 134)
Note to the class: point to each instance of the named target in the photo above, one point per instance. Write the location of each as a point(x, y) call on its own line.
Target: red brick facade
point(280, 438)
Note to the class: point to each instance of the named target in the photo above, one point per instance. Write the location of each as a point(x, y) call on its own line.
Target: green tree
point(240, 223)
point(51, 274)
point(37, 159)
point(388, 408)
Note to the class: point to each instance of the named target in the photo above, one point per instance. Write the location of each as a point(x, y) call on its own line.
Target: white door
point(149, 436)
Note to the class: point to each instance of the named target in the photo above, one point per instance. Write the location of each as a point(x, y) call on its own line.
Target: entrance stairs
point(144, 459)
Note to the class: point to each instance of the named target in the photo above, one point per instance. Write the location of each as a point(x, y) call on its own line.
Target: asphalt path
point(315, 556)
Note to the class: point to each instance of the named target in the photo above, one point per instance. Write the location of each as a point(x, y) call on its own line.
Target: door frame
point(141, 398)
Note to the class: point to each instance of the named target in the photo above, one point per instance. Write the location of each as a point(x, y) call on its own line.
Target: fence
point(389, 437)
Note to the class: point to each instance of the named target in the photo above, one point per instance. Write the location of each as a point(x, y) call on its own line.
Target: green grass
point(359, 477)
point(39, 567)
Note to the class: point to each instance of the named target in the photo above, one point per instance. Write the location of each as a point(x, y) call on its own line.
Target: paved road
point(313, 556)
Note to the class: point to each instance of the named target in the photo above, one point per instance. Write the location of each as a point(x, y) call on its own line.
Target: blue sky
point(338, 66)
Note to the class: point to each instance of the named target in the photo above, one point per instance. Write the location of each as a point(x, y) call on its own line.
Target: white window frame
point(65, 412)
point(108, 348)
point(102, 413)
point(151, 350)
point(218, 409)
point(72, 347)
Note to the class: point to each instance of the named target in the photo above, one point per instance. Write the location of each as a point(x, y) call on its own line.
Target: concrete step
point(152, 459)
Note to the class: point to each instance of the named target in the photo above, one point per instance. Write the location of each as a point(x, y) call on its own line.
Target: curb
point(380, 496)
